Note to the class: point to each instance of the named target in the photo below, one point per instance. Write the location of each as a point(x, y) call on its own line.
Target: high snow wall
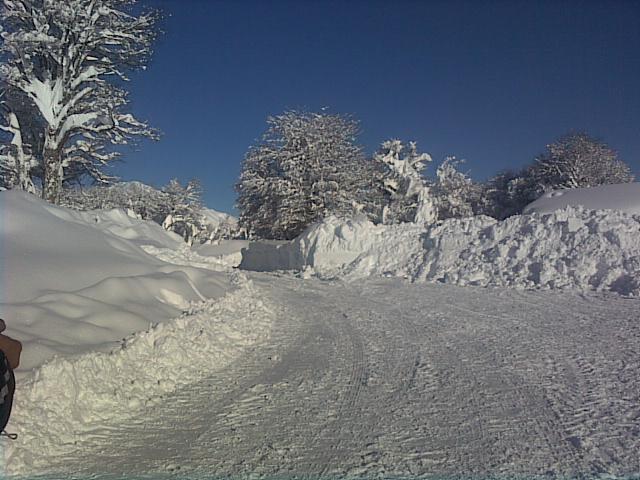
point(570, 248)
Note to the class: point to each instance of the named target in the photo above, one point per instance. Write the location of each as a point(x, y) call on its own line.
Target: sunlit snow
point(131, 334)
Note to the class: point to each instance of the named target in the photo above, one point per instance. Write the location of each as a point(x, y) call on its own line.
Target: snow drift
point(624, 197)
point(571, 248)
point(79, 281)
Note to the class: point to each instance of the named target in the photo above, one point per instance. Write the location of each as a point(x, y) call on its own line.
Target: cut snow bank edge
point(67, 397)
point(571, 248)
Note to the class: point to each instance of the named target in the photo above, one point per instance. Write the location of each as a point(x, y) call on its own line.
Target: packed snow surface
point(385, 379)
point(570, 248)
point(624, 197)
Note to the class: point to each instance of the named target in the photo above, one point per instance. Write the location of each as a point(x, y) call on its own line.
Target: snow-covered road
point(388, 378)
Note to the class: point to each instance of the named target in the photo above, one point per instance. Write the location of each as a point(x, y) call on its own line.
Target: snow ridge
point(571, 248)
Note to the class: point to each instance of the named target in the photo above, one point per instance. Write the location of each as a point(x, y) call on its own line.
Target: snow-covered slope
point(571, 248)
point(624, 197)
point(215, 217)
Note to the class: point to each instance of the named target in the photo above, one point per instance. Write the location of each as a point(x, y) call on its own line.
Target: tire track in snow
point(386, 379)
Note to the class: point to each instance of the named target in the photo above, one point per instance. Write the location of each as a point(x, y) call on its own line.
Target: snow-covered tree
point(456, 194)
point(409, 198)
point(69, 60)
point(178, 208)
point(138, 199)
point(306, 167)
point(508, 192)
point(577, 160)
point(183, 204)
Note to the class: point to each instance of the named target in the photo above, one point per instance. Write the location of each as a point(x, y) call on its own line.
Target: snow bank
point(77, 286)
point(70, 397)
point(74, 282)
point(624, 197)
point(268, 256)
point(572, 248)
point(328, 247)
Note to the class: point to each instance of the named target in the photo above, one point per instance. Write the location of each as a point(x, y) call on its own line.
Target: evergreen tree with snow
point(399, 175)
point(67, 62)
point(306, 167)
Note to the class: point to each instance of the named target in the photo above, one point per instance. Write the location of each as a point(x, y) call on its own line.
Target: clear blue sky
point(489, 81)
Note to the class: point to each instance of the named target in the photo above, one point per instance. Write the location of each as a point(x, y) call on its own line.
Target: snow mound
point(121, 224)
point(70, 397)
point(623, 197)
point(107, 328)
point(571, 248)
point(74, 281)
point(325, 246)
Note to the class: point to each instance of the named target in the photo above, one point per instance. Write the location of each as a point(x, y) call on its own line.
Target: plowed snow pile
point(569, 248)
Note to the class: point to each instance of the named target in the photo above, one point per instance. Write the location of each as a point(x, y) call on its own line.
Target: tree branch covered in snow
point(457, 195)
point(306, 167)
point(16, 159)
point(578, 160)
point(69, 60)
point(408, 196)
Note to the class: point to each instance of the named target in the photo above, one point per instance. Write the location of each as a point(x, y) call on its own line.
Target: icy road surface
point(387, 378)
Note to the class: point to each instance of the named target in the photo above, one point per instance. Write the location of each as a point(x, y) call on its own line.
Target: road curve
point(384, 378)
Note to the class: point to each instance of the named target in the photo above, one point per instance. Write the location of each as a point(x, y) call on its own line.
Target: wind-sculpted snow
point(571, 248)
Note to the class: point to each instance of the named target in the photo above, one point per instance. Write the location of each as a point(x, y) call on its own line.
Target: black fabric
point(7, 388)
